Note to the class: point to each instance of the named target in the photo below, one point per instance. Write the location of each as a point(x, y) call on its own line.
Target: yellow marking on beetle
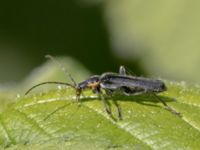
point(93, 85)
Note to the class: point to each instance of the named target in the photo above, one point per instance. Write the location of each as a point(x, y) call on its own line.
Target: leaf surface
point(54, 120)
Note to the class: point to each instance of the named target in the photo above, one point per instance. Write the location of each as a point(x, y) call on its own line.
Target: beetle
point(132, 85)
point(111, 82)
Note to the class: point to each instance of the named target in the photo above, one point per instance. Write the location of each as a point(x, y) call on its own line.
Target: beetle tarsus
point(167, 106)
point(119, 112)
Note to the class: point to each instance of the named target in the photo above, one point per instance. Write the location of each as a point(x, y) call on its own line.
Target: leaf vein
point(34, 123)
point(115, 123)
point(7, 132)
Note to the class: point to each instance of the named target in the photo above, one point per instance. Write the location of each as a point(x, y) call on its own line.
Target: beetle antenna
point(59, 108)
point(62, 68)
point(60, 83)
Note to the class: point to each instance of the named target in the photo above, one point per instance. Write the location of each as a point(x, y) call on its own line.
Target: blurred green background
point(153, 38)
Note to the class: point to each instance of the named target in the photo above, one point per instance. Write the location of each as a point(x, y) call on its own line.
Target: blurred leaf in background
point(31, 29)
point(163, 35)
point(157, 38)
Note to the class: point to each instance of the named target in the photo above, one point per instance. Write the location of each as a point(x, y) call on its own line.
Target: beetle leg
point(167, 106)
point(107, 108)
point(78, 94)
point(109, 92)
point(127, 91)
point(118, 110)
point(122, 70)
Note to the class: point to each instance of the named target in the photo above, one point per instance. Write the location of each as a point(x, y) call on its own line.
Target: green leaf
point(146, 124)
point(54, 120)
